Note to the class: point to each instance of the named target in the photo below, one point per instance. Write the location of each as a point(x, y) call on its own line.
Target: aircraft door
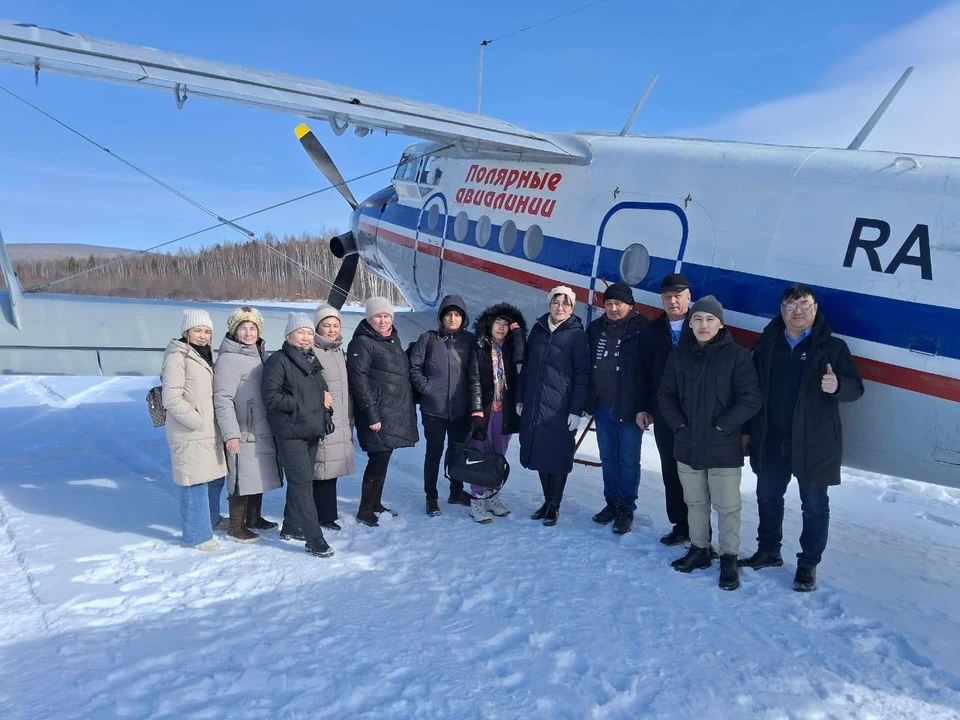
point(428, 258)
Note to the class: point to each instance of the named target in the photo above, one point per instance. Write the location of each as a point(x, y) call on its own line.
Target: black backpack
point(417, 395)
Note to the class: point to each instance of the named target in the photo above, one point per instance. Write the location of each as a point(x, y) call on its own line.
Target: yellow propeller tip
point(301, 130)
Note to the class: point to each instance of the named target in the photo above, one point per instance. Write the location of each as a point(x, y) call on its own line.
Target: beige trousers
point(721, 487)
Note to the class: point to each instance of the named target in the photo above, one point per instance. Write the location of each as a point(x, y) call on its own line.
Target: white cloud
point(924, 118)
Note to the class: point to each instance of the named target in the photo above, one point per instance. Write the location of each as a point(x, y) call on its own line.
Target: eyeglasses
point(560, 303)
point(795, 306)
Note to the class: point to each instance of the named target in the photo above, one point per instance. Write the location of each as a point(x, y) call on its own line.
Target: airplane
point(499, 213)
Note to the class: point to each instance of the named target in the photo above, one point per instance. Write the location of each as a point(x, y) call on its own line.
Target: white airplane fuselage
point(875, 233)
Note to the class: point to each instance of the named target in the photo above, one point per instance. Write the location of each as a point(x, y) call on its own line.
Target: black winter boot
point(806, 579)
point(551, 516)
point(729, 572)
point(624, 522)
point(607, 515)
point(365, 513)
point(761, 559)
point(236, 529)
point(320, 548)
point(255, 520)
point(540, 513)
point(695, 559)
point(675, 537)
point(433, 508)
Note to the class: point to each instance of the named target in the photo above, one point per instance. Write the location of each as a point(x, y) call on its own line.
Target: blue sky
point(728, 68)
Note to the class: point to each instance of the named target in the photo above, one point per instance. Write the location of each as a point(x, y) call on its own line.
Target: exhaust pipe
point(343, 245)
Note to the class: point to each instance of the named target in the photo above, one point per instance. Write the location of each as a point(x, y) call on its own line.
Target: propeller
point(342, 246)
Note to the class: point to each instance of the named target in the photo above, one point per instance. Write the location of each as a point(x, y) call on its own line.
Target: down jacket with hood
point(241, 415)
point(293, 387)
point(196, 447)
point(439, 365)
point(379, 375)
point(335, 454)
point(554, 384)
point(481, 365)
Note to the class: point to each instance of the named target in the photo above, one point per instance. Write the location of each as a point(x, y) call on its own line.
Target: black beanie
point(619, 291)
point(708, 304)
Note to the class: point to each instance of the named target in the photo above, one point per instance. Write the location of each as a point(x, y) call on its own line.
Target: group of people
point(250, 420)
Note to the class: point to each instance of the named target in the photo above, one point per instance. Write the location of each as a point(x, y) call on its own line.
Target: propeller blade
point(324, 163)
point(343, 283)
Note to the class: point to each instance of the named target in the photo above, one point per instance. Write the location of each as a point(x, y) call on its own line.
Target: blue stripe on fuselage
point(926, 329)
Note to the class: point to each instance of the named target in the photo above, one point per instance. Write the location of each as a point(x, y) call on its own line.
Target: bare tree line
point(225, 271)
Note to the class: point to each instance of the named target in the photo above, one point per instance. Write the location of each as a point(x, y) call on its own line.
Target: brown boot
point(238, 513)
point(256, 521)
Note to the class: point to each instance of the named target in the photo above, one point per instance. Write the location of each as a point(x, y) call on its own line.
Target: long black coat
point(656, 344)
point(292, 389)
point(439, 366)
point(817, 443)
point(379, 377)
point(629, 395)
point(554, 384)
point(481, 365)
point(706, 396)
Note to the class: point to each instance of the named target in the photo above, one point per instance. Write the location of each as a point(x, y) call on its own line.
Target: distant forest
point(247, 271)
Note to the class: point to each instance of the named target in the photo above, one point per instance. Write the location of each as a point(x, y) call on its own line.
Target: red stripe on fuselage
point(898, 376)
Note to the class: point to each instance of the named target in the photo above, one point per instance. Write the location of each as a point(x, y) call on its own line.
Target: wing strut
point(878, 113)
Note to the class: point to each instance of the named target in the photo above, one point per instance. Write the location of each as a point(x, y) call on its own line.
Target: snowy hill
point(105, 614)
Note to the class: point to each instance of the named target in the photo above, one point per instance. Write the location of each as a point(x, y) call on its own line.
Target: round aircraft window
point(635, 264)
point(460, 226)
point(483, 231)
point(508, 236)
point(433, 217)
point(533, 242)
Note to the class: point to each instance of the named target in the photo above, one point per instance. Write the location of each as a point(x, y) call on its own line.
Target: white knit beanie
point(563, 290)
point(377, 305)
point(195, 318)
point(295, 321)
point(323, 312)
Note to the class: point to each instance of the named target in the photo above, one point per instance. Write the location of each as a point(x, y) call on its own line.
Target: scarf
point(499, 377)
point(204, 351)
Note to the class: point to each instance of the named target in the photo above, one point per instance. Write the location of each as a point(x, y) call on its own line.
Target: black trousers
point(325, 498)
point(435, 429)
point(553, 485)
point(672, 489)
point(374, 476)
point(300, 511)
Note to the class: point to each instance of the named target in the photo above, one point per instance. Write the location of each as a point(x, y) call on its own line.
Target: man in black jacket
point(805, 373)
point(615, 404)
point(439, 371)
point(659, 338)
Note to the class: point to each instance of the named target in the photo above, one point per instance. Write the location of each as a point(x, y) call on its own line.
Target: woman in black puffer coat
point(553, 390)
point(297, 402)
point(386, 418)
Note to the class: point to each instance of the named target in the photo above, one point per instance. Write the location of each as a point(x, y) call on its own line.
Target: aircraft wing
point(184, 77)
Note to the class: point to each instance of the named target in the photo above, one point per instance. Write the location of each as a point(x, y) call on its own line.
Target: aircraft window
point(635, 264)
point(407, 169)
point(433, 217)
point(430, 172)
point(508, 236)
point(483, 231)
point(460, 226)
point(533, 242)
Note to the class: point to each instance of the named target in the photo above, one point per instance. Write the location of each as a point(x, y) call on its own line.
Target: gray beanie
point(708, 304)
point(325, 311)
point(378, 305)
point(195, 318)
point(295, 321)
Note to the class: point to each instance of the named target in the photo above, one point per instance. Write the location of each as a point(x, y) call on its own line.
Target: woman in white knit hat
point(386, 417)
point(299, 410)
point(335, 454)
point(242, 418)
point(196, 447)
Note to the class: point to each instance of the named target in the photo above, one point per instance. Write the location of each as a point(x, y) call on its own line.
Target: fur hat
point(378, 305)
point(619, 291)
point(244, 314)
point(295, 321)
point(195, 318)
point(708, 304)
point(563, 290)
point(323, 312)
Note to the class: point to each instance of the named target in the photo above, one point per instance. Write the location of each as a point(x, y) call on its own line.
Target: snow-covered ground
point(105, 614)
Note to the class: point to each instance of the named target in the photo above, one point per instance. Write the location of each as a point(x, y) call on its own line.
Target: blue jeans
point(195, 513)
point(772, 484)
point(214, 489)
point(620, 456)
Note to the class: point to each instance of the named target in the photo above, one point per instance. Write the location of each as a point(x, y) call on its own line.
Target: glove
point(573, 422)
point(328, 426)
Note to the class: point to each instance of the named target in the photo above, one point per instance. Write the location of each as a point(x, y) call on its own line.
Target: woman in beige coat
point(196, 448)
point(252, 463)
point(335, 454)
